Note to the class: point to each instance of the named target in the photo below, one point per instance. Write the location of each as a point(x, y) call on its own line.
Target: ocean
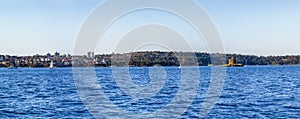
point(247, 92)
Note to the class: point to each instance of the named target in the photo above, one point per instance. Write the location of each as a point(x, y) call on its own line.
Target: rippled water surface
point(249, 92)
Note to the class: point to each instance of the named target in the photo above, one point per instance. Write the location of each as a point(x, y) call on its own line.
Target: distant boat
point(104, 62)
point(113, 66)
point(156, 65)
point(231, 63)
point(51, 65)
point(12, 67)
point(234, 65)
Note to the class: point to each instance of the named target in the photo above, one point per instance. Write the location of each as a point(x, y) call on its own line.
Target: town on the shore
point(140, 59)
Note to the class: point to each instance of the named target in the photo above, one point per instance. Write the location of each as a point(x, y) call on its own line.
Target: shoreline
point(150, 67)
point(143, 59)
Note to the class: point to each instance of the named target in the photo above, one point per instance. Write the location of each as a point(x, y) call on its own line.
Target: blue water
point(249, 92)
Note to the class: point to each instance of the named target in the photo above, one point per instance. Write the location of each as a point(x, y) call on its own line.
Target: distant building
point(57, 54)
point(91, 54)
point(48, 55)
point(69, 56)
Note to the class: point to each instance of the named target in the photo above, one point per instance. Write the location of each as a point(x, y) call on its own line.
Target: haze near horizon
point(256, 27)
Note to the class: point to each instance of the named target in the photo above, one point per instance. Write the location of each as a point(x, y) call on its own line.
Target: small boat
point(231, 63)
point(12, 67)
point(51, 65)
point(113, 66)
point(234, 65)
point(104, 62)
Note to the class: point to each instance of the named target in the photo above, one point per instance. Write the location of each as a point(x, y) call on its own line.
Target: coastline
point(142, 59)
point(153, 67)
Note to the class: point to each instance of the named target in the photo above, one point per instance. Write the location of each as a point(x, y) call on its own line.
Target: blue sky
point(259, 27)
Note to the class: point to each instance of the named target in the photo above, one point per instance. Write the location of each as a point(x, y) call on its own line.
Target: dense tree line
point(153, 58)
point(202, 59)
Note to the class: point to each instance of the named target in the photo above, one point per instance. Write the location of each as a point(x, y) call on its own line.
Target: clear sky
point(259, 27)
